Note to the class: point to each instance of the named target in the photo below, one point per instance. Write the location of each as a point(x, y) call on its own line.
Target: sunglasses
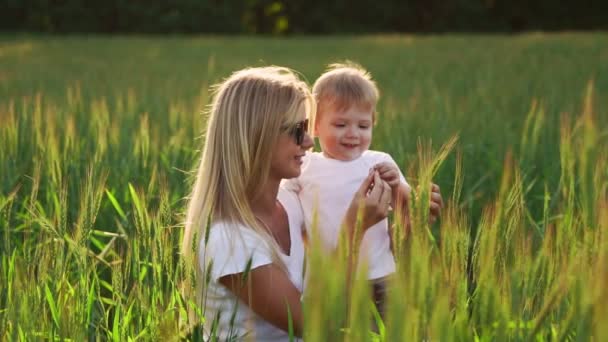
point(298, 131)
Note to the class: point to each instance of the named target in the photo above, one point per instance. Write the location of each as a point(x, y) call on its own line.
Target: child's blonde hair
point(344, 85)
point(249, 111)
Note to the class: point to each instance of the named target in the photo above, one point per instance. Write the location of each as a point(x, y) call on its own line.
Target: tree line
point(300, 16)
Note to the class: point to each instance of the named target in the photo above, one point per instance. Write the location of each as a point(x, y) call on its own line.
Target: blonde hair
point(249, 111)
point(343, 85)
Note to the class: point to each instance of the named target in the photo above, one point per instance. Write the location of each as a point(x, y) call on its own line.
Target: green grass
point(98, 136)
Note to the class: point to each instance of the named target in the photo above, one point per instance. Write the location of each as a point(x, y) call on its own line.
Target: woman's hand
point(371, 202)
point(369, 206)
point(436, 203)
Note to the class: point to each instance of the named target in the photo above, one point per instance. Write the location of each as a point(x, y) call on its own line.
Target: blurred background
point(301, 17)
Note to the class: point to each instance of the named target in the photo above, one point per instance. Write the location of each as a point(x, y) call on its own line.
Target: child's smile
point(345, 135)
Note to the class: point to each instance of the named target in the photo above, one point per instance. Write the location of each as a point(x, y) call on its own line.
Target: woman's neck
point(264, 204)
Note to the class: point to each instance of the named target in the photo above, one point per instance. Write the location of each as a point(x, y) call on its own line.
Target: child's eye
point(339, 125)
point(363, 126)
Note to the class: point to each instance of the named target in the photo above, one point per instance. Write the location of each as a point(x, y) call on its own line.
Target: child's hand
point(389, 173)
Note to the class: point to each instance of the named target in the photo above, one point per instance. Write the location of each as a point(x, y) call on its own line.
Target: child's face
point(346, 134)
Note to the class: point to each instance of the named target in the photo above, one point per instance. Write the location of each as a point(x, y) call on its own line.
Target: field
point(99, 135)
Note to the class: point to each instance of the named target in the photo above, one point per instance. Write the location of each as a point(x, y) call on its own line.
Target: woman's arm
point(269, 292)
point(369, 206)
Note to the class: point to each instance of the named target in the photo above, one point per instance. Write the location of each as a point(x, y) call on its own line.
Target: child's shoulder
point(313, 158)
point(377, 156)
point(314, 154)
point(309, 167)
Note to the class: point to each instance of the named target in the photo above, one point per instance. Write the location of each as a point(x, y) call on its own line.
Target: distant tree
point(296, 16)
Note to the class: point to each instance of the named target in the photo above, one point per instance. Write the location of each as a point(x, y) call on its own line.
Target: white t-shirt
point(326, 188)
point(230, 248)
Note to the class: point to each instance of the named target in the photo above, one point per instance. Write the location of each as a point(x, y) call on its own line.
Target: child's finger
point(376, 190)
point(366, 184)
point(383, 167)
point(392, 178)
point(389, 174)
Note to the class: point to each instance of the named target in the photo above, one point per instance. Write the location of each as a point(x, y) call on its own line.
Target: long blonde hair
point(248, 112)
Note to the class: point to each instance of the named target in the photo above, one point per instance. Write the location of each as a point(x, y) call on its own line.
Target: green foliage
point(98, 135)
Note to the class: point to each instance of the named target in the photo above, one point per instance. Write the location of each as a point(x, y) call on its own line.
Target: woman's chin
point(295, 173)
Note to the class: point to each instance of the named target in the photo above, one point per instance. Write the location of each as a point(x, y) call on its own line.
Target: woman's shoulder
point(377, 156)
point(232, 248)
point(226, 232)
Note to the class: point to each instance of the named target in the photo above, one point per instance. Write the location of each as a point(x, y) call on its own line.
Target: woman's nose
point(307, 143)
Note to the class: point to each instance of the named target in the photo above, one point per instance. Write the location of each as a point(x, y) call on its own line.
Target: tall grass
point(510, 277)
point(95, 155)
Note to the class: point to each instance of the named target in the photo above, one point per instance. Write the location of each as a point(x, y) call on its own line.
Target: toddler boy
point(346, 101)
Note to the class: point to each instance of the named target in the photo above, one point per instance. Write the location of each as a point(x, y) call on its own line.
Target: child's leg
point(380, 288)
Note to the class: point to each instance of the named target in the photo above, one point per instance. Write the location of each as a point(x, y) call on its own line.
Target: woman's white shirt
point(229, 250)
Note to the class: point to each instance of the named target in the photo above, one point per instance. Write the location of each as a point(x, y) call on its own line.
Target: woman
point(252, 251)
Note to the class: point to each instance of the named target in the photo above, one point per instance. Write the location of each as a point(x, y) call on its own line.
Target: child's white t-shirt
point(326, 187)
point(228, 251)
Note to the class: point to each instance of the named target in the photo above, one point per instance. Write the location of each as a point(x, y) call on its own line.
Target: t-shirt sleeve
point(232, 250)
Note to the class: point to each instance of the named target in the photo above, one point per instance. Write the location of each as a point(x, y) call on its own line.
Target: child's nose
point(350, 131)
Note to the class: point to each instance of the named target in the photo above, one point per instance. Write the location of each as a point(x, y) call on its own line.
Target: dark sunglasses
point(298, 131)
